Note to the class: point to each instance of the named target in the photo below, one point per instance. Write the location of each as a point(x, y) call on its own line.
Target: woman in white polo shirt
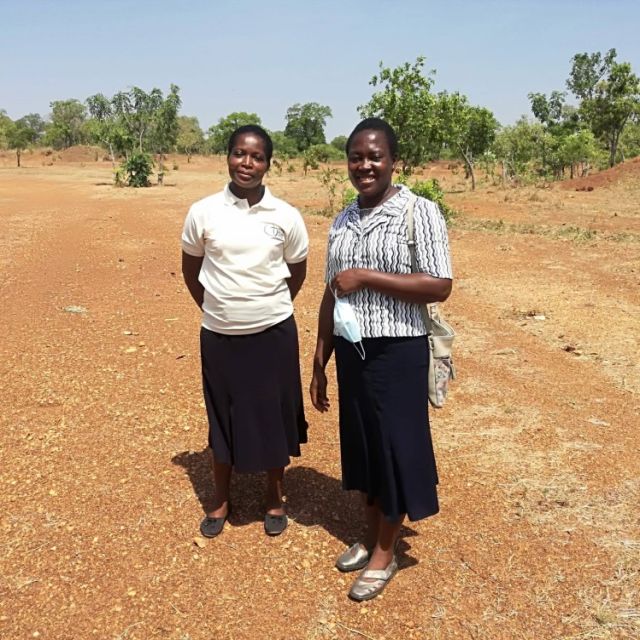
point(385, 442)
point(244, 257)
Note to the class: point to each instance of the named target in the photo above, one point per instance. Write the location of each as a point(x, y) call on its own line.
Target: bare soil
point(103, 462)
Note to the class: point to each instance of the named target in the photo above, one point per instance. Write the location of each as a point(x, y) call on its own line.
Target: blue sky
point(265, 56)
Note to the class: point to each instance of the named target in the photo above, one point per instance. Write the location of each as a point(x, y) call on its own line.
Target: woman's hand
point(348, 281)
point(318, 390)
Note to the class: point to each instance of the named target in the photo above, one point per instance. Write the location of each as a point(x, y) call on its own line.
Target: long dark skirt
point(385, 441)
point(253, 396)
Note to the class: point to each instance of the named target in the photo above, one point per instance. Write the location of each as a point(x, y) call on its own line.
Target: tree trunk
point(614, 149)
point(18, 153)
point(160, 170)
point(468, 162)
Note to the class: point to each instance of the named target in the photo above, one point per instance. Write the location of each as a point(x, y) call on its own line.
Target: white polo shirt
point(246, 251)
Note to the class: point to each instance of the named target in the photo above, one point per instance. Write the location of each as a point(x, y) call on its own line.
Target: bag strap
point(428, 310)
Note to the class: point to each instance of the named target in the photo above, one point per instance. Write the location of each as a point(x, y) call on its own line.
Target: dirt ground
point(103, 462)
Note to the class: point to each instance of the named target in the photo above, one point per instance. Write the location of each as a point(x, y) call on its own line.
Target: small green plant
point(118, 177)
point(330, 179)
point(431, 190)
point(348, 196)
point(137, 170)
point(309, 160)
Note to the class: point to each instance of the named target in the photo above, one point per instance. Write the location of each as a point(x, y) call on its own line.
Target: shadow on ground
point(313, 500)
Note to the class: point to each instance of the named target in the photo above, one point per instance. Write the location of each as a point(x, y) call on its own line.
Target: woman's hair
point(256, 131)
point(376, 124)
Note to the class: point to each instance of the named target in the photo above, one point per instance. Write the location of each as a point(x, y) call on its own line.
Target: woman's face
point(247, 161)
point(370, 165)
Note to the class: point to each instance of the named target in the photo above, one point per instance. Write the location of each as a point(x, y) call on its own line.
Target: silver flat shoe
point(353, 559)
point(371, 582)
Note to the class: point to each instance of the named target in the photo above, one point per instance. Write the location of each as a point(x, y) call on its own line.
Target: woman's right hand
point(318, 390)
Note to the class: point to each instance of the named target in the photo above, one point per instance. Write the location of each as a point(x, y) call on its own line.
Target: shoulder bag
point(440, 334)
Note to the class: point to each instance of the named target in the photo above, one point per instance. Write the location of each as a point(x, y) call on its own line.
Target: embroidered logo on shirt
point(273, 231)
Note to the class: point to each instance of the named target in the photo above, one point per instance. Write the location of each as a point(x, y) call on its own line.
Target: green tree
point(518, 148)
point(340, 143)
point(609, 93)
point(135, 109)
point(306, 123)
point(467, 130)
point(630, 140)
point(579, 150)
point(405, 101)
point(66, 123)
point(220, 133)
point(6, 123)
point(587, 70)
point(283, 146)
point(135, 122)
point(105, 128)
point(163, 134)
point(560, 121)
point(23, 133)
point(190, 137)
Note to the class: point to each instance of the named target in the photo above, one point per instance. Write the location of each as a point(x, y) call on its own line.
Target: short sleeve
point(192, 235)
point(296, 244)
point(431, 240)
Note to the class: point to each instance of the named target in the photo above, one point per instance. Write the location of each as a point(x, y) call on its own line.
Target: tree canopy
point(306, 123)
point(220, 133)
point(405, 101)
point(66, 123)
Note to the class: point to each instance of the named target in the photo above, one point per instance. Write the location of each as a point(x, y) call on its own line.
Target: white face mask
point(346, 324)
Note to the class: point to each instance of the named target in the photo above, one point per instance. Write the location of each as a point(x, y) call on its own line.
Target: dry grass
point(102, 435)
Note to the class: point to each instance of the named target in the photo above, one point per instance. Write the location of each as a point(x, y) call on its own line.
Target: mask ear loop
point(360, 349)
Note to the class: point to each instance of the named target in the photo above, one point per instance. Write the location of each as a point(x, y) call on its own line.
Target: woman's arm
point(191, 266)
point(410, 287)
point(324, 349)
point(298, 273)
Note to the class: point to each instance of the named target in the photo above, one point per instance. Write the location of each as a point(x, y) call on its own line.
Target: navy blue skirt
point(385, 441)
point(253, 395)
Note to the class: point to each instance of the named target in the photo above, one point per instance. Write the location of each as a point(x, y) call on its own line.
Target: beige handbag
point(440, 334)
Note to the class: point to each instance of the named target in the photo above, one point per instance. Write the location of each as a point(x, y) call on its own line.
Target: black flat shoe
point(275, 525)
point(211, 527)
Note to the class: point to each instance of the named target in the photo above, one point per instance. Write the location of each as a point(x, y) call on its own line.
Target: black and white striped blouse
point(378, 240)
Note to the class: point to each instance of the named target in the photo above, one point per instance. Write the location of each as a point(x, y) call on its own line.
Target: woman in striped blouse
point(385, 443)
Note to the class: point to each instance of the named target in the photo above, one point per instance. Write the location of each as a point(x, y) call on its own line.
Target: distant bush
point(431, 190)
point(137, 169)
point(348, 196)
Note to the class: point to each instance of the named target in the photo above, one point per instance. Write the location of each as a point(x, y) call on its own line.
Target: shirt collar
point(268, 201)
point(394, 206)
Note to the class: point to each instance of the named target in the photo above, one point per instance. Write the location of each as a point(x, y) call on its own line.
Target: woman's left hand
point(348, 281)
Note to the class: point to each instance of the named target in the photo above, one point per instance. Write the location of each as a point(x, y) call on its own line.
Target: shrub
point(138, 168)
point(431, 190)
point(348, 196)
